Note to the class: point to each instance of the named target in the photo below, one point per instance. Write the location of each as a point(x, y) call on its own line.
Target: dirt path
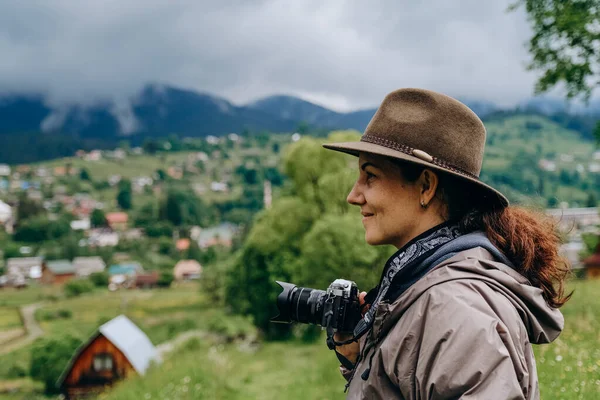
point(31, 326)
point(169, 346)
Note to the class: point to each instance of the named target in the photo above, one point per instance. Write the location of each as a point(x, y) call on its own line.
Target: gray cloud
point(344, 54)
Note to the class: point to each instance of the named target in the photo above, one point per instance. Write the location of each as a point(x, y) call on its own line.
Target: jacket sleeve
point(451, 345)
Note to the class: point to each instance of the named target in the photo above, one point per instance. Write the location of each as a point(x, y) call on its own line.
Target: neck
point(428, 221)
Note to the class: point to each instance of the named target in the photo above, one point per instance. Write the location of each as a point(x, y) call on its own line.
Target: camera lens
point(300, 304)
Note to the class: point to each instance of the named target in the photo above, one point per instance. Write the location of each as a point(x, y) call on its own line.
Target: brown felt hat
point(430, 129)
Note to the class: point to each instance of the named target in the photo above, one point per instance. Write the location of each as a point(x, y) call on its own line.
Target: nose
point(355, 197)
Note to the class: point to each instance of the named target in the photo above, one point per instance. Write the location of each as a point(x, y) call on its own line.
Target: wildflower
point(558, 358)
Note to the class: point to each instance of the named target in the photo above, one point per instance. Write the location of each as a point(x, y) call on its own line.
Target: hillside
point(31, 130)
point(298, 371)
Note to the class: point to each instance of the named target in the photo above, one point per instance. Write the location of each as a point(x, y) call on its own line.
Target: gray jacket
point(464, 330)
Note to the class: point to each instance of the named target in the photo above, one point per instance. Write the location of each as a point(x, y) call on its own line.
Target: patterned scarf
point(400, 268)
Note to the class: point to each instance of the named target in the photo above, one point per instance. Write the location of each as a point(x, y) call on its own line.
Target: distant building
point(592, 264)
point(220, 235)
point(147, 280)
point(130, 269)
point(85, 266)
point(94, 155)
point(103, 237)
point(4, 170)
point(187, 270)
point(182, 244)
point(5, 212)
point(57, 272)
point(175, 172)
point(20, 269)
point(116, 351)
point(570, 218)
point(547, 165)
point(117, 220)
point(81, 224)
point(218, 187)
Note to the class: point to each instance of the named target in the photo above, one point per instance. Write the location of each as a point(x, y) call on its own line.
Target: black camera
point(335, 309)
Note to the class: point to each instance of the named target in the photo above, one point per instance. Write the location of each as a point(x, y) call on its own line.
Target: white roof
point(130, 339)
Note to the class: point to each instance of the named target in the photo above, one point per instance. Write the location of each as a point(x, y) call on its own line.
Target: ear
point(428, 183)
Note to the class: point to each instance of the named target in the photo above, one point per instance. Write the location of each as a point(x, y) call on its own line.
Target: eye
point(370, 176)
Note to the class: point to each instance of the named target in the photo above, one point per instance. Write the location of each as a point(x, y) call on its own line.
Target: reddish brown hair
point(530, 239)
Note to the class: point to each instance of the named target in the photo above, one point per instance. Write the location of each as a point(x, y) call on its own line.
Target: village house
point(102, 237)
point(187, 270)
point(21, 269)
point(116, 351)
point(175, 172)
point(182, 244)
point(85, 266)
point(5, 212)
point(592, 264)
point(124, 274)
point(578, 218)
point(139, 183)
point(117, 220)
point(57, 272)
point(220, 235)
point(94, 155)
point(219, 187)
point(4, 170)
point(147, 280)
point(81, 224)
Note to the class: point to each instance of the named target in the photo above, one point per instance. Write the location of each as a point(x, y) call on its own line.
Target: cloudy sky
point(343, 54)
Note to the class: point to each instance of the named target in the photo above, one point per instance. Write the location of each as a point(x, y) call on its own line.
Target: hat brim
point(482, 191)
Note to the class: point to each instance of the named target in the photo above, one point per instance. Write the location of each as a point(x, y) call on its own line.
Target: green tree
point(124, 196)
point(564, 45)
point(97, 218)
point(28, 208)
point(84, 175)
point(49, 357)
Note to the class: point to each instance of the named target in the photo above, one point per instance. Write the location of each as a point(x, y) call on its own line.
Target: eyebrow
point(367, 164)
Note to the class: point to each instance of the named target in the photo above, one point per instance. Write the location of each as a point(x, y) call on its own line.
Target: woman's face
point(390, 205)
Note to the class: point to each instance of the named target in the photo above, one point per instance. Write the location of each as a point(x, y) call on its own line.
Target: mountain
point(31, 130)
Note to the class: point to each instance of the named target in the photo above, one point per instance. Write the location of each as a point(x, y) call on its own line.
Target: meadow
point(220, 367)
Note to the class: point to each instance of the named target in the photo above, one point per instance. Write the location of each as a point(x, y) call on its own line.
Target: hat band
point(409, 151)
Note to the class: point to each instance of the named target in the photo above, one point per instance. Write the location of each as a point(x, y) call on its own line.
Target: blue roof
point(124, 269)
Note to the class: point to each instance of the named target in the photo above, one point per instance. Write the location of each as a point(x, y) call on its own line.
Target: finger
point(361, 298)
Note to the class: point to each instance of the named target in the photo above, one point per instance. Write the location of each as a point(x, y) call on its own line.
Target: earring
point(423, 204)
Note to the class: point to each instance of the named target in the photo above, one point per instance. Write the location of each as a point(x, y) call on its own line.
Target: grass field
point(567, 369)
point(208, 369)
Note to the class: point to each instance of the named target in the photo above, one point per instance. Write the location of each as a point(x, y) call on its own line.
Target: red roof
point(592, 261)
point(116, 217)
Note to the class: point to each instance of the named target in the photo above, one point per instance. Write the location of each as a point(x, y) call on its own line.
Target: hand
point(350, 350)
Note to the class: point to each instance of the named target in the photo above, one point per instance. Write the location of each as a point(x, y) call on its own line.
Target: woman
point(474, 282)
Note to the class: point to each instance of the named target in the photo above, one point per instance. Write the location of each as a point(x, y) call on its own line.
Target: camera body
point(342, 310)
point(336, 309)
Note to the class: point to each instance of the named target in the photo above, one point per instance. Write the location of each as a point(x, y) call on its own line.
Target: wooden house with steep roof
point(57, 272)
point(117, 350)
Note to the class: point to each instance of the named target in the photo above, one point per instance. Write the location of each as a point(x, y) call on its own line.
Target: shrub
point(50, 315)
point(49, 356)
point(16, 371)
point(99, 279)
point(165, 280)
point(77, 287)
point(64, 313)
